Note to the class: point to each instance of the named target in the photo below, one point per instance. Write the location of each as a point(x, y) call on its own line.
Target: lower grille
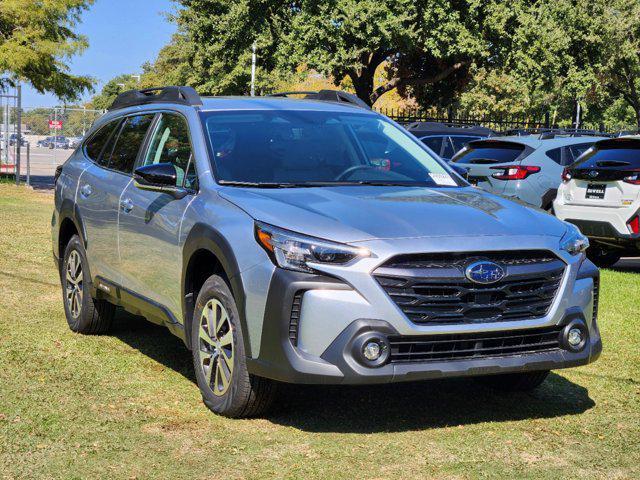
point(473, 345)
point(433, 289)
point(294, 319)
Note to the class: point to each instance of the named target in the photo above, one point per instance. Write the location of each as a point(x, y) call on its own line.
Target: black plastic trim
point(138, 305)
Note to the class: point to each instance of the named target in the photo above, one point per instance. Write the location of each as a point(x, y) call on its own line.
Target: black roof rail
point(180, 95)
point(337, 96)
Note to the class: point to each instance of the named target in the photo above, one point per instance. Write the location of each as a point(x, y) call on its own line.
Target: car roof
point(534, 141)
point(438, 128)
point(278, 103)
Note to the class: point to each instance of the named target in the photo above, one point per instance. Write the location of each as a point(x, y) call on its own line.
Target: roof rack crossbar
point(337, 96)
point(172, 94)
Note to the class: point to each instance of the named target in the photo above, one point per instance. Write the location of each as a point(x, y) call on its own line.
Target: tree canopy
point(483, 56)
point(36, 41)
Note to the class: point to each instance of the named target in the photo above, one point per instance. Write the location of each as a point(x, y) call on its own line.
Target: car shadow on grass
point(377, 408)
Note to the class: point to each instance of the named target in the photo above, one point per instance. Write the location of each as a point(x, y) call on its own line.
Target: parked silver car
point(526, 167)
point(312, 241)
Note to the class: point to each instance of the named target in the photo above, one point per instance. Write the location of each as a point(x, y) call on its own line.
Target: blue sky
point(122, 34)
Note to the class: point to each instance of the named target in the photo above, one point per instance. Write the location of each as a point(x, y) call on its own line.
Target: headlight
point(573, 241)
point(298, 252)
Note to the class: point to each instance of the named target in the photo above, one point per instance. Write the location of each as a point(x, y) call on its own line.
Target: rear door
point(150, 225)
point(481, 158)
point(607, 176)
point(97, 198)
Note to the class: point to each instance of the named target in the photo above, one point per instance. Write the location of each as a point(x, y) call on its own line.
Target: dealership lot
point(125, 405)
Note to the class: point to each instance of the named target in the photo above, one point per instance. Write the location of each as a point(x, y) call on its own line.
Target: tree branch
point(397, 81)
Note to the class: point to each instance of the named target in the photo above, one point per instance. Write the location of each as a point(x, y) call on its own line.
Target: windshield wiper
point(234, 183)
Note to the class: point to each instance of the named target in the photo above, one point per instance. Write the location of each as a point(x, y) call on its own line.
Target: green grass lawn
point(125, 405)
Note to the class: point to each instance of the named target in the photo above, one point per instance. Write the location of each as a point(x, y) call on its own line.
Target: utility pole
point(577, 114)
point(253, 70)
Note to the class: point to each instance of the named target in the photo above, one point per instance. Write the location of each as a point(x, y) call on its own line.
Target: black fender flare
point(205, 237)
point(69, 210)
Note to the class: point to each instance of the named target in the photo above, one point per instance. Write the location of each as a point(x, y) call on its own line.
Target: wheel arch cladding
point(69, 224)
point(206, 252)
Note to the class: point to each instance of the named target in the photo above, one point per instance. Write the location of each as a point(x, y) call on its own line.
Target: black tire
point(246, 395)
point(89, 316)
point(514, 382)
point(602, 257)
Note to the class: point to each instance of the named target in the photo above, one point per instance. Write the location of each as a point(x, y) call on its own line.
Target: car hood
point(360, 213)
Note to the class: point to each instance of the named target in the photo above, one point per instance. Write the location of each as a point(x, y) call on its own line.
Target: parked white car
point(600, 193)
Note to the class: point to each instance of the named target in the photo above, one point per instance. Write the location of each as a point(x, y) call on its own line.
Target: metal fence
point(48, 136)
point(499, 123)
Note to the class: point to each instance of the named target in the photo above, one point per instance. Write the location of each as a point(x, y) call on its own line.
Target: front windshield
point(306, 148)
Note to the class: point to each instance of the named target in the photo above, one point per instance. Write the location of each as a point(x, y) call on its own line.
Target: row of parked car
point(59, 142)
point(583, 177)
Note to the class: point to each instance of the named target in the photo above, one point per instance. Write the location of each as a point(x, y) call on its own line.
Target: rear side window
point(555, 155)
point(434, 143)
point(459, 142)
point(490, 152)
point(130, 138)
point(96, 143)
point(574, 151)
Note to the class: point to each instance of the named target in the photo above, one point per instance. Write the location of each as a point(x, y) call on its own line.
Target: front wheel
point(514, 382)
point(219, 359)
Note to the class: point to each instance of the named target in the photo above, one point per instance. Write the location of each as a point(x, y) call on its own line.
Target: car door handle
point(126, 205)
point(86, 190)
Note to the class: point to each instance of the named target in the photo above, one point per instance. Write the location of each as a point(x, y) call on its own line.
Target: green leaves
point(36, 41)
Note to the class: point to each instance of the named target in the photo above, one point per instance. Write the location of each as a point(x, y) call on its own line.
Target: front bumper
point(285, 355)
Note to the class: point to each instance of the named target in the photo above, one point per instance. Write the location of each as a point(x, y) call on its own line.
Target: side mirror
point(159, 177)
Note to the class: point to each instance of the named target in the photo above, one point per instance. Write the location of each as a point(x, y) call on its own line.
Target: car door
point(149, 231)
point(97, 200)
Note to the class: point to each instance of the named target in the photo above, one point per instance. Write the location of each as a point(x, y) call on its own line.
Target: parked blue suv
point(311, 241)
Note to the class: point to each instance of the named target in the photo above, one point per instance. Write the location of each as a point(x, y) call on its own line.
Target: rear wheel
point(515, 382)
point(219, 359)
point(603, 257)
point(84, 313)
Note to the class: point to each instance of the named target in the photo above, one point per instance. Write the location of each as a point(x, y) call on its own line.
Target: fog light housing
point(371, 351)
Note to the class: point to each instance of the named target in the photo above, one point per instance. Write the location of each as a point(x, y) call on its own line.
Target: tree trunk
point(363, 84)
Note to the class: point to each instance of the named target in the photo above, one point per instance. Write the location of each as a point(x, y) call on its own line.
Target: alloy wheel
point(74, 283)
point(216, 347)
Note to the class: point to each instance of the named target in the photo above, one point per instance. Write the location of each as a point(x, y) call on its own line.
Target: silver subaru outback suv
point(311, 241)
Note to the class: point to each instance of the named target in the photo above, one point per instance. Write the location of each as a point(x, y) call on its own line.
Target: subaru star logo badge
point(484, 272)
point(593, 173)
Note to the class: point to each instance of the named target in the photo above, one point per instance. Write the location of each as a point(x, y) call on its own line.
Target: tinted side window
point(459, 142)
point(170, 144)
point(555, 155)
point(574, 151)
point(434, 143)
point(96, 143)
point(132, 134)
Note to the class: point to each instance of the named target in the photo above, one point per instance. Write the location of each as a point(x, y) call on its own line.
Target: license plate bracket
point(596, 191)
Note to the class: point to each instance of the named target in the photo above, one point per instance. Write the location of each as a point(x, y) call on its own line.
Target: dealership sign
point(55, 124)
